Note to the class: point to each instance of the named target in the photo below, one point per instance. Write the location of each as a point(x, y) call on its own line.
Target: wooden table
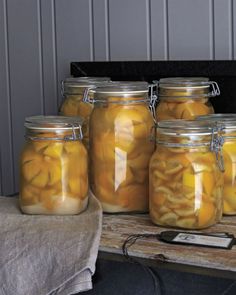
point(201, 260)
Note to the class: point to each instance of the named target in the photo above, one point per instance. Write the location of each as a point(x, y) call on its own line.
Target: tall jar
point(185, 98)
point(120, 146)
point(53, 166)
point(73, 90)
point(185, 180)
point(227, 123)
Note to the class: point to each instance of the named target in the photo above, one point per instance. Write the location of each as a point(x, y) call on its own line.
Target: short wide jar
point(185, 180)
point(53, 167)
point(120, 146)
point(185, 98)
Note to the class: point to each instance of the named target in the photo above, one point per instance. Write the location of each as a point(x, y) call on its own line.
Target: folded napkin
point(42, 255)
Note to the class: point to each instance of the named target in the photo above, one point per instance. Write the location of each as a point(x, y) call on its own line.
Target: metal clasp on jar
point(153, 99)
point(217, 141)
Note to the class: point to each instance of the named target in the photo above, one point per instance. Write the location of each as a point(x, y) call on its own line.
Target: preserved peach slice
point(186, 222)
point(70, 106)
point(228, 209)
point(103, 147)
point(140, 162)
point(190, 110)
point(40, 145)
point(55, 172)
point(133, 196)
point(230, 168)
point(29, 194)
point(173, 168)
point(32, 168)
point(158, 199)
point(206, 214)
point(78, 187)
point(41, 179)
point(54, 150)
point(229, 196)
point(208, 182)
point(189, 179)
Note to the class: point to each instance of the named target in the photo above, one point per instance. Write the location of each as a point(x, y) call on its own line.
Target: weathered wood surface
point(116, 228)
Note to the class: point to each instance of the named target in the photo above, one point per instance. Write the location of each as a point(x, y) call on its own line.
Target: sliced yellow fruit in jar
point(206, 214)
point(189, 179)
point(103, 147)
point(186, 223)
point(70, 105)
point(189, 110)
point(41, 179)
point(40, 145)
point(133, 196)
point(54, 150)
point(29, 194)
point(208, 182)
point(173, 168)
point(78, 187)
point(32, 168)
point(55, 172)
point(184, 212)
point(157, 199)
point(160, 175)
point(229, 196)
point(229, 167)
point(169, 218)
point(140, 162)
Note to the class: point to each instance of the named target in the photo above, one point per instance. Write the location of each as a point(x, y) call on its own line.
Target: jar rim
point(181, 127)
point(184, 82)
point(121, 87)
point(227, 120)
point(53, 122)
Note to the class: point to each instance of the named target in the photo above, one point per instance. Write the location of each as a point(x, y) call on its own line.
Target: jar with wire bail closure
point(120, 146)
point(185, 98)
point(185, 175)
point(227, 123)
point(72, 90)
point(53, 166)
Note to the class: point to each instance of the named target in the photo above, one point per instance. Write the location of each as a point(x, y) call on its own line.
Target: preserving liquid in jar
point(53, 167)
point(185, 180)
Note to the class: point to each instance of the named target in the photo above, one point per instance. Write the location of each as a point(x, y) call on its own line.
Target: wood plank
point(116, 228)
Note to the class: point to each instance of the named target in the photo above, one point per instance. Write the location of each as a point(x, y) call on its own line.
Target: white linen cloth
point(42, 254)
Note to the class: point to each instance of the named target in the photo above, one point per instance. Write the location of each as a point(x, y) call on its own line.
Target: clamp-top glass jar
point(227, 124)
point(120, 146)
point(185, 180)
point(53, 166)
point(185, 98)
point(73, 105)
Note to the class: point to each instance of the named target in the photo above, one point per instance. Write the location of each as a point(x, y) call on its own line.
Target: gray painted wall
point(39, 38)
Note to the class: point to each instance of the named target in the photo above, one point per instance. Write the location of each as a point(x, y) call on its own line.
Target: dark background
point(223, 72)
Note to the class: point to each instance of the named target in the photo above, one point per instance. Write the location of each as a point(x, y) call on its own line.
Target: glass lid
point(53, 122)
point(121, 87)
point(184, 82)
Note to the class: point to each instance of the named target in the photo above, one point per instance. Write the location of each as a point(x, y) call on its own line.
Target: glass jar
point(185, 180)
point(120, 146)
point(185, 98)
point(227, 123)
point(53, 166)
point(73, 105)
